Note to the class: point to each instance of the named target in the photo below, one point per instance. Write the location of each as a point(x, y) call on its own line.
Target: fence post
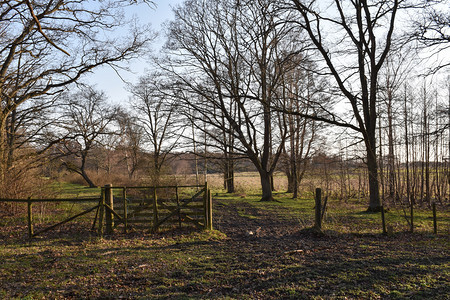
point(434, 218)
point(210, 217)
point(101, 213)
point(155, 210)
point(383, 220)
point(178, 204)
point(205, 206)
point(109, 218)
point(30, 218)
point(125, 210)
point(318, 219)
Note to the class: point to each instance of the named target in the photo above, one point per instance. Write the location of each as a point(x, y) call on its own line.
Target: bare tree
point(430, 29)
point(26, 141)
point(354, 55)
point(396, 71)
point(156, 113)
point(131, 142)
point(86, 117)
point(300, 89)
point(47, 45)
point(232, 54)
point(220, 139)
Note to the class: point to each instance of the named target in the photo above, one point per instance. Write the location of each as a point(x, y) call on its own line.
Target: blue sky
point(107, 79)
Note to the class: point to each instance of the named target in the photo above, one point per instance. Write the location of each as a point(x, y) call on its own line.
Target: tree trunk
point(229, 162)
point(130, 166)
point(195, 154)
point(408, 184)
point(374, 193)
point(427, 160)
point(290, 179)
point(295, 187)
point(229, 176)
point(266, 185)
point(230, 182)
point(3, 146)
point(157, 166)
point(381, 163)
point(2, 154)
point(225, 177)
point(82, 171)
point(294, 156)
point(391, 155)
point(87, 179)
point(293, 180)
point(11, 137)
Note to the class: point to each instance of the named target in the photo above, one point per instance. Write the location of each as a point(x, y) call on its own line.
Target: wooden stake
point(412, 217)
point(155, 210)
point(383, 220)
point(178, 205)
point(205, 206)
point(30, 218)
point(109, 200)
point(210, 217)
point(318, 219)
point(125, 210)
point(434, 218)
point(101, 214)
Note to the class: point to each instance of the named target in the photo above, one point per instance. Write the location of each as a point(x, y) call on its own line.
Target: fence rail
point(91, 199)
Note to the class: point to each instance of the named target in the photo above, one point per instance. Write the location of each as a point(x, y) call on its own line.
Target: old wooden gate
point(155, 207)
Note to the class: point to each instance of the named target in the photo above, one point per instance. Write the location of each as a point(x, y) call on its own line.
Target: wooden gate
point(155, 207)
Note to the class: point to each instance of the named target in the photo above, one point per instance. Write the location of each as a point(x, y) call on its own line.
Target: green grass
point(71, 190)
point(206, 265)
point(341, 216)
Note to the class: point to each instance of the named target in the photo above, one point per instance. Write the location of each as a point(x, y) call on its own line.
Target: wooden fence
point(30, 202)
point(131, 206)
point(152, 207)
point(320, 208)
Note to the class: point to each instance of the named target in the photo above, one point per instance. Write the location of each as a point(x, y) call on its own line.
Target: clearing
point(259, 251)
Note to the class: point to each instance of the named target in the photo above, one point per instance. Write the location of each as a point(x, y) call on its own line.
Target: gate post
point(101, 213)
point(125, 209)
point(109, 201)
point(155, 210)
point(318, 216)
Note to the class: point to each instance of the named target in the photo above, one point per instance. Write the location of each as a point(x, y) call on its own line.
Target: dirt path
point(243, 221)
point(265, 238)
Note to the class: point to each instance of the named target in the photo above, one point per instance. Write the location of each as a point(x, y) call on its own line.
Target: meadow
point(257, 250)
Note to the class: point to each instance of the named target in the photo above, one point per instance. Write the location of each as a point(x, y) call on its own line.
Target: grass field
point(258, 251)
